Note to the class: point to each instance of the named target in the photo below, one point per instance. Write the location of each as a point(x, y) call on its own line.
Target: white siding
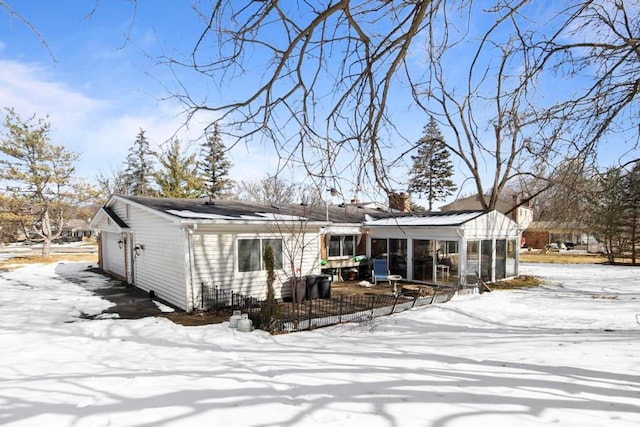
point(177, 259)
point(161, 265)
point(491, 225)
point(307, 260)
point(215, 261)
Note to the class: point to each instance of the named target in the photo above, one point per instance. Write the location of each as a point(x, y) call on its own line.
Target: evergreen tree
point(178, 175)
point(214, 166)
point(38, 177)
point(631, 216)
point(269, 307)
point(608, 201)
point(432, 169)
point(139, 169)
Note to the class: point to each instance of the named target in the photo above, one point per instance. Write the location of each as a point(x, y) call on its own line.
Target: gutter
point(190, 230)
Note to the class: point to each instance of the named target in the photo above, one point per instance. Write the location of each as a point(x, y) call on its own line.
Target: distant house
point(539, 234)
point(76, 229)
point(182, 249)
point(522, 214)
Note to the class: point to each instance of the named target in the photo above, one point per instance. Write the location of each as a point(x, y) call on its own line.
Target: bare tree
point(329, 74)
point(113, 182)
point(331, 68)
point(598, 44)
point(14, 13)
point(567, 192)
point(274, 190)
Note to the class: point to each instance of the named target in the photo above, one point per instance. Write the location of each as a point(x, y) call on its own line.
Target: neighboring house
point(539, 234)
point(76, 229)
point(519, 213)
point(181, 249)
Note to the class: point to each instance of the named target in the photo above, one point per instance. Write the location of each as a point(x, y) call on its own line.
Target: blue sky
point(96, 81)
point(99, 82)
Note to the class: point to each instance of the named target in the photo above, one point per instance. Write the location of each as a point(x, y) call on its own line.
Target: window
point(423, 260)
point(501, 259)
point(511, 269)
point(398, 257)
point(378, 248)
point(342, 246)
point(250, 253)
point(448, 260)
point(473, 261)
point(486, 260)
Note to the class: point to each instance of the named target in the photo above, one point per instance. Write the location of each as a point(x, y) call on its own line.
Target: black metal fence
point(316, 313)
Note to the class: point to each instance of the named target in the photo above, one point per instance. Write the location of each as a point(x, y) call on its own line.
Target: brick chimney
point(400, 201)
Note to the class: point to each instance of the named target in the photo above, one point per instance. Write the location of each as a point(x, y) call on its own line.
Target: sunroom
point(448, 248)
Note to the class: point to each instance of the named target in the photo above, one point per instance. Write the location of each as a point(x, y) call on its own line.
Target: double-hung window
point(342, 246)
point(250, 254)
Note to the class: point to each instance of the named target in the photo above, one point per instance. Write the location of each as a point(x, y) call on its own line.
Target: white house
point(179, 249)
point(182, 249)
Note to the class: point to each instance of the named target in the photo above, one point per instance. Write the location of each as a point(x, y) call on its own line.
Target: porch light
point(138, 249)
point(120, 243)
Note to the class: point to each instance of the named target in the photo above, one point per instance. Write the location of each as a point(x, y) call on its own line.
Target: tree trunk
point(46, 247)
point(46, 233)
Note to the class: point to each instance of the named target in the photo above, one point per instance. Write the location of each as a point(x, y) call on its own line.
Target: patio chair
point(380, 270)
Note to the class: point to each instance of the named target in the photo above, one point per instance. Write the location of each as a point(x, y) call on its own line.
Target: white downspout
point(191, 270)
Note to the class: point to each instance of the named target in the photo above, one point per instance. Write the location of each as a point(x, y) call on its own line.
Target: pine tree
point(178, 175)
point(38, 177)
point(139, 169)
point(214, 166)
point(432, 169)
point(631, 215)
point(607, 204)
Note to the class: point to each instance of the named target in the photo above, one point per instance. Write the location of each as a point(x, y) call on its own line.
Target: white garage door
point(113, 257)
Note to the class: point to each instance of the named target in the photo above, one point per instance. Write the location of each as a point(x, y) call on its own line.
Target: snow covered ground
point(565, 354)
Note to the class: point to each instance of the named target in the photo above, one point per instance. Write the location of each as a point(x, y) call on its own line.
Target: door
point(114, 254)
point(423, 261)
point(398, 257)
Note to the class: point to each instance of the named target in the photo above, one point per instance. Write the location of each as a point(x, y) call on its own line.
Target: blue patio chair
point(380, 270)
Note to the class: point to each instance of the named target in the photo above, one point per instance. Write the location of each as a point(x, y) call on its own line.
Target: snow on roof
point(258, 216)
point(434, 219)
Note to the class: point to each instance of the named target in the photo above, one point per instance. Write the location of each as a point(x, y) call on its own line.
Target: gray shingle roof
point(236, 209)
